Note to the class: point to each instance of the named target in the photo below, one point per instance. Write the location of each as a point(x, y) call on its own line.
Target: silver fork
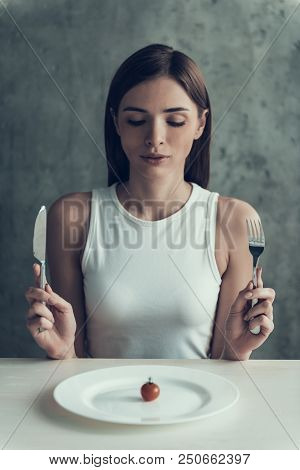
point(256, 239)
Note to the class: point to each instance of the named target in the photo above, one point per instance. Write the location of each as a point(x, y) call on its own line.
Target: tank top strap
point(93, 225)
point(210, 231)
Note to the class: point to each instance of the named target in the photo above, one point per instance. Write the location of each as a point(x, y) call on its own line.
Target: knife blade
point(39, 243)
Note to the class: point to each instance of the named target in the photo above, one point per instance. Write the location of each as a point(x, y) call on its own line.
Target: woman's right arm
point(67, 228)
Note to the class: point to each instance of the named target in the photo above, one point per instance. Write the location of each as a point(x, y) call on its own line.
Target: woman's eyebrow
point(169, 110)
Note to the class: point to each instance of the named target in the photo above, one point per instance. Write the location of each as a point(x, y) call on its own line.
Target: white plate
point(113, 394)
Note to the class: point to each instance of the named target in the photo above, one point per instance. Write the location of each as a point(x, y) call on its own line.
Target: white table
point(267, 415)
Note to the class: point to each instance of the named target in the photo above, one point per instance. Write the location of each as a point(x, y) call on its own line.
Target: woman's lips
point(155, 155)
point(154, 160)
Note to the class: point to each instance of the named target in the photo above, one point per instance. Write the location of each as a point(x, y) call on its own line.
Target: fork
point(256, 239)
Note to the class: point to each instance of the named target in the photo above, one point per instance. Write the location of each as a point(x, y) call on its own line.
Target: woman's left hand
point(240, 342)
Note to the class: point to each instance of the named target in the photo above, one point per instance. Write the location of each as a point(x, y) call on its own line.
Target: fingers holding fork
point(256, 240)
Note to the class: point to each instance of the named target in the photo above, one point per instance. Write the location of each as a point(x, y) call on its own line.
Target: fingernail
point(248, 295)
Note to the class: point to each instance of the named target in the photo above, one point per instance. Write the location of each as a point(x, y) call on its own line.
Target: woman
point(123, 287)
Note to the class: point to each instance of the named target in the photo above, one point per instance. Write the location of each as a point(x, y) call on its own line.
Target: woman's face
point(153, 129)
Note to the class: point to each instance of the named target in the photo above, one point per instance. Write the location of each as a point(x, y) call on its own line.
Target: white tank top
point(151, 287)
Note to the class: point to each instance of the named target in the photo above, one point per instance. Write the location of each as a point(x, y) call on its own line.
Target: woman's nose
point(155, 136)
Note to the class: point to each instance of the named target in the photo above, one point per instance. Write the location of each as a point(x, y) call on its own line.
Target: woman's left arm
point(232, 338)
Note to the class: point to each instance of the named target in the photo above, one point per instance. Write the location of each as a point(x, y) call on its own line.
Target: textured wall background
point(57, 60)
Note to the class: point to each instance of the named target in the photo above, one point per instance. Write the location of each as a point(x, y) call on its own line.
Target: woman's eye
point(135, 123)
point(172, 123)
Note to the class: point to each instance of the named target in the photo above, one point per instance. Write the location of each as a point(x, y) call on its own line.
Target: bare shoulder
point(71, 202)
point(231, 228)
point(236, 207)
point(234, 212)
point(71, 213)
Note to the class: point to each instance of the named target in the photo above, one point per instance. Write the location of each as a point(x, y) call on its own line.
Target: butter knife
point(39, 244)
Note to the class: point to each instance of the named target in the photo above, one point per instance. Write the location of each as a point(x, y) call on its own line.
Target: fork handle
point(256, 330)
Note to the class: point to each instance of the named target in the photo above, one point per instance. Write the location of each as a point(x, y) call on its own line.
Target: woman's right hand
point(56, 319)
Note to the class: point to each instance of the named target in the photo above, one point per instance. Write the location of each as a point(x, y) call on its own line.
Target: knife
point(39, 243)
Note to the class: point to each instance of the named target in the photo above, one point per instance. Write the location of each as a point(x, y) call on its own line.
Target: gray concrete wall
point(57, 59)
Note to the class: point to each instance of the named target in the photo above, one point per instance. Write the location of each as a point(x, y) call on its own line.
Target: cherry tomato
point(150, 391)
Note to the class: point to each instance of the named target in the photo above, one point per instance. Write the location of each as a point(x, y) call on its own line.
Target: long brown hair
point(157, 60)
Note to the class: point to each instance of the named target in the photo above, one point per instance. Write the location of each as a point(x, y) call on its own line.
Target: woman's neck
point(153, 201)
